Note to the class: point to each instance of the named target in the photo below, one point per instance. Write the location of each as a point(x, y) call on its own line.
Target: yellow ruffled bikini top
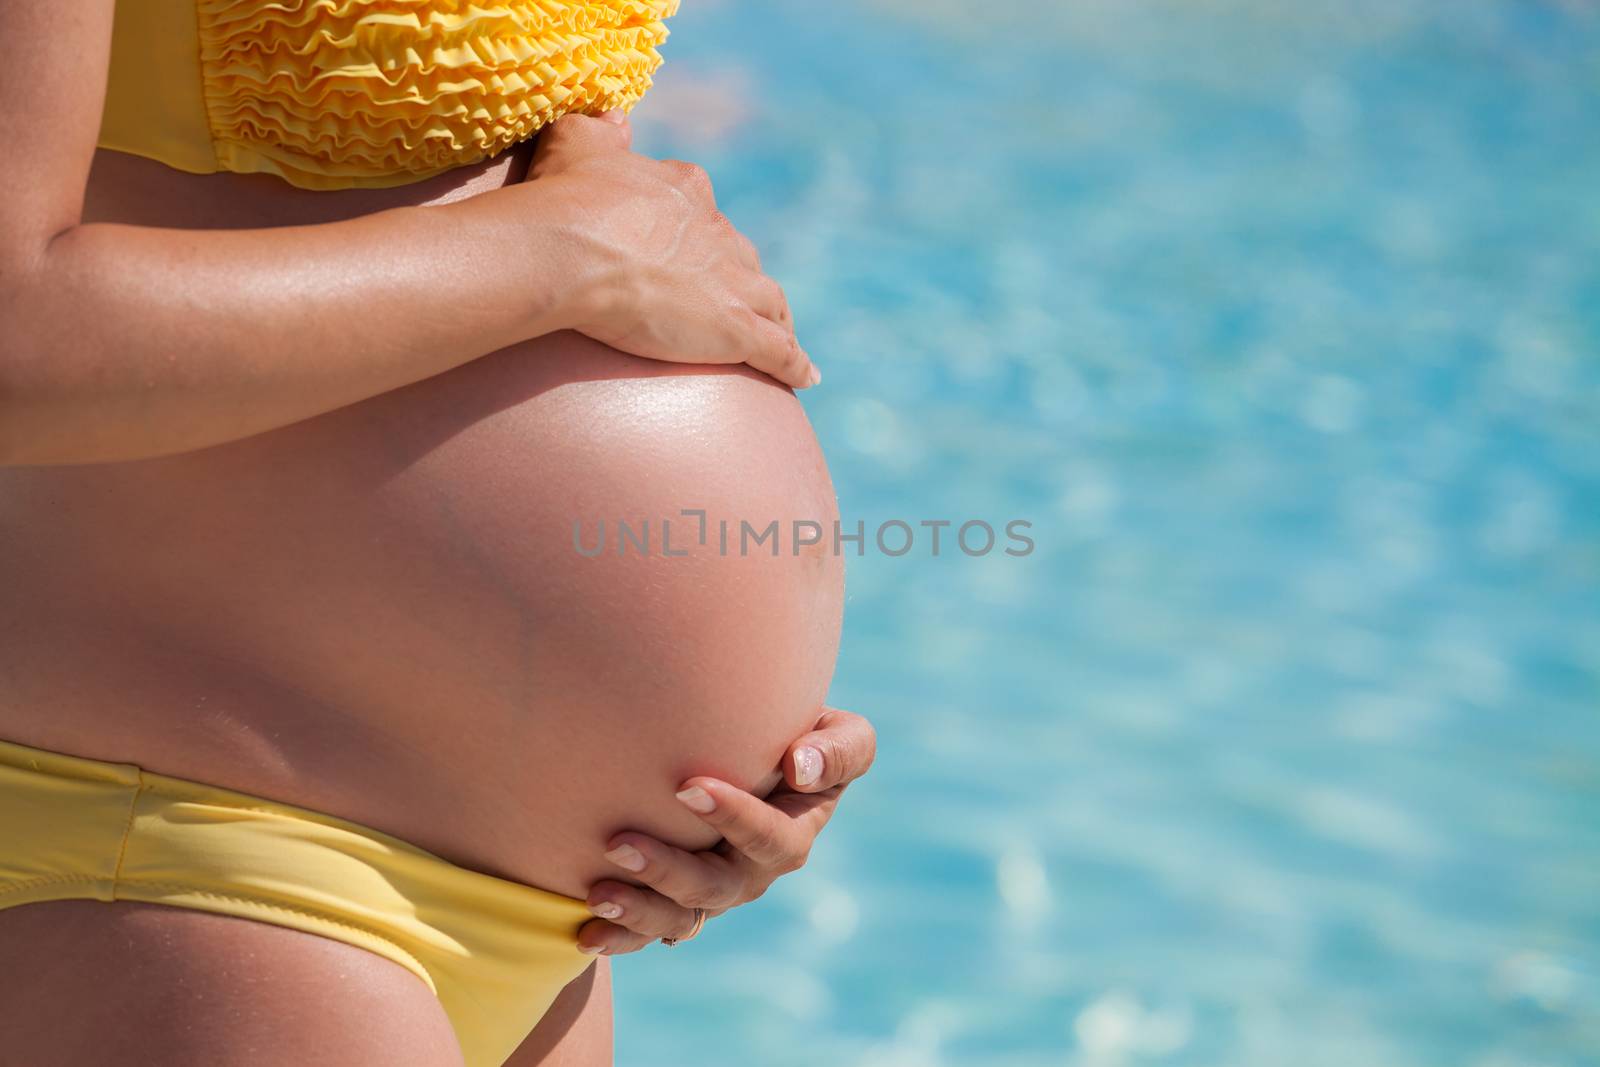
point(335, 94)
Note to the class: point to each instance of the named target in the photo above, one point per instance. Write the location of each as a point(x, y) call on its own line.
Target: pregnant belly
point(384, 612)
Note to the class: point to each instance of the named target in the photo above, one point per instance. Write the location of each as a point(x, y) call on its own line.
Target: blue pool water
point(1278, 320)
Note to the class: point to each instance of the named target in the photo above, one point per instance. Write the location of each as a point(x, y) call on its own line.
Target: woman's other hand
point(762, 840)
point(661, 272)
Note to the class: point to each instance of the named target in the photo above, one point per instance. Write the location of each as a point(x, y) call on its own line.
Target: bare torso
point(380, 613)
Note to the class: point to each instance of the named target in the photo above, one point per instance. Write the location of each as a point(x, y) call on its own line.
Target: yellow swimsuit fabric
point(335, 94)
point(495, 952)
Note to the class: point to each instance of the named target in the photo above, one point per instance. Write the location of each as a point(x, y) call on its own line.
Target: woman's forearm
point(123, 342)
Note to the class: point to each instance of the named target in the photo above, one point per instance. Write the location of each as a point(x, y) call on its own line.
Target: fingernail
point(697, 799)
point(627, 857)
point(807, 765)
point(607, 910)
point(816, 375)
point(590, 950)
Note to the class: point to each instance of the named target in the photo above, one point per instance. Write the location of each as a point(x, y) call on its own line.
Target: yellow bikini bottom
point(496, 953)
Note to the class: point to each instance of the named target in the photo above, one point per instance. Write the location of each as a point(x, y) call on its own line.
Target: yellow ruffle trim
point(336, 93)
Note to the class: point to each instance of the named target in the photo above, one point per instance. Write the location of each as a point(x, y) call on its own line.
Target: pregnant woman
point(325, 735)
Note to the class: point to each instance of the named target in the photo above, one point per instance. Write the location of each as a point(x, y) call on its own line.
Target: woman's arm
point(121, 342)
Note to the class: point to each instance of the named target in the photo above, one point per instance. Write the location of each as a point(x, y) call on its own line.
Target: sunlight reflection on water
point(1279, 322)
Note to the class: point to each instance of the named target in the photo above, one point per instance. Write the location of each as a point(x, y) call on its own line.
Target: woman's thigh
point(86, 983)
point(577, 1029)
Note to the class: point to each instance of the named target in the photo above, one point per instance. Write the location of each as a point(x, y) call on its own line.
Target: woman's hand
point(762, 840)
point(661, 272)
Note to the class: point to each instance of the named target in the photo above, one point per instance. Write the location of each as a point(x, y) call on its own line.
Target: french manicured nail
point(607, 910)
point(696, 799)
point(590, 950)
point(627, 857)
point(807, 765)
point(816, 375)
